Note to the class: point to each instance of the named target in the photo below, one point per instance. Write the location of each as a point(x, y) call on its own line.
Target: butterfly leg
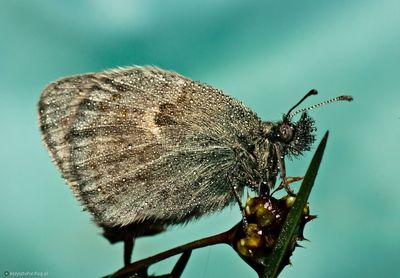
point(238, 200)
point(281, 164)
point(289, 180)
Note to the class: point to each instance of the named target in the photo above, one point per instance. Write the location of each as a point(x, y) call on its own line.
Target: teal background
point(267, 55)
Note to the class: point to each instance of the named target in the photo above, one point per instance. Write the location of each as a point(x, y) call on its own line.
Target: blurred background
point(267, 55)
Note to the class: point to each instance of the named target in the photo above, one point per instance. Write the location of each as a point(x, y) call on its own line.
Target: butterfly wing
point(143, 144)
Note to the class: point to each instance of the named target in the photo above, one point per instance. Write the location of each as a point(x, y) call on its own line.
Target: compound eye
point(286, 133)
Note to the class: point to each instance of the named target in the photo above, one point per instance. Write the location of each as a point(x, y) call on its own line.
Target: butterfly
point(143, 148)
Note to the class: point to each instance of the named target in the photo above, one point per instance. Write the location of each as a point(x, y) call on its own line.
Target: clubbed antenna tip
point(347, 98)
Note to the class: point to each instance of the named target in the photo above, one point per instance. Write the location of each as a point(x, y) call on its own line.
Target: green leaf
point(274, 262)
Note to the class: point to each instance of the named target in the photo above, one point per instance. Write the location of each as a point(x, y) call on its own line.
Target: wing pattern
point(141, 143)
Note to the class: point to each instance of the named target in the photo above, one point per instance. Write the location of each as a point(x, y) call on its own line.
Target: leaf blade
point(274, 262)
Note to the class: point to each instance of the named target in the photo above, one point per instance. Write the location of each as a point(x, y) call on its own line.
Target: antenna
point(339, 98)
point(310, 93)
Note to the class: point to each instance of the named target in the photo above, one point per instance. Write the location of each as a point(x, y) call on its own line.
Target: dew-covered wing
point(142, 143)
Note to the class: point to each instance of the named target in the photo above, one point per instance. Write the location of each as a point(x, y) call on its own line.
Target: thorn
point(302, 238)
point(300, 233)
point(309, 218)
point(298, 245)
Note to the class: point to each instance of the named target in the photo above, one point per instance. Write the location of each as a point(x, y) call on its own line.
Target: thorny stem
point(136, 267)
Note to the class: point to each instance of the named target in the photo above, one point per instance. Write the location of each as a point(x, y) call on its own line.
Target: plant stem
point(225, 237)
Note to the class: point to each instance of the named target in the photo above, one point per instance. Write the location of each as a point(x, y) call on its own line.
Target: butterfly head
point(297, 137)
